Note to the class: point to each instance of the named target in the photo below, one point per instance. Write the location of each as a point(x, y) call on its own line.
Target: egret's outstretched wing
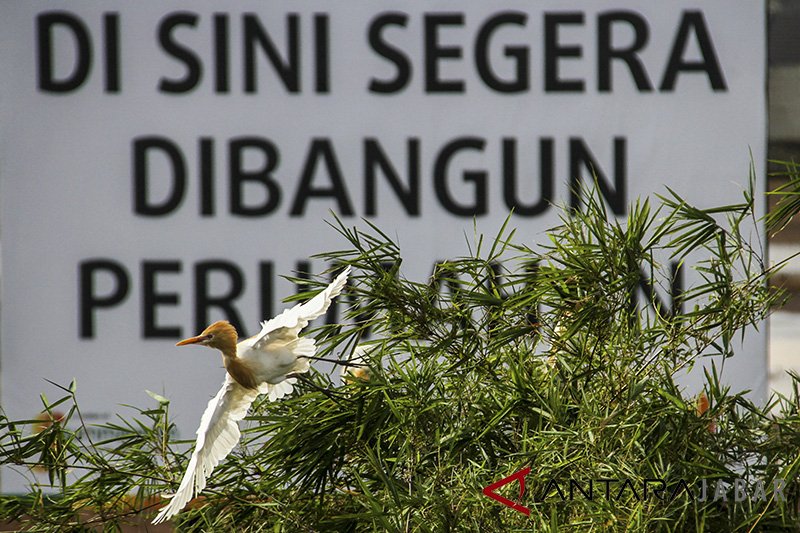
point(289, 323)
point(217, 435)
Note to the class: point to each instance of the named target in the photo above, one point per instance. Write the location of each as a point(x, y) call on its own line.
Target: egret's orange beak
point(193, 340)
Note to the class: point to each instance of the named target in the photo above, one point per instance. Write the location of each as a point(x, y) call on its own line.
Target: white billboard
point(163, 164)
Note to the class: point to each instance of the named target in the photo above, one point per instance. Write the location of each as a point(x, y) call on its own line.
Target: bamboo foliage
point(513, 356)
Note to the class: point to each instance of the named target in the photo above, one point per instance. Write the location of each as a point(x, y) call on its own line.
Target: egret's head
point(220, 335)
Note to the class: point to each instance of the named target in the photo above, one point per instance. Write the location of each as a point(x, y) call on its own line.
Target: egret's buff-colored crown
point(220, 335)
point(223, 335)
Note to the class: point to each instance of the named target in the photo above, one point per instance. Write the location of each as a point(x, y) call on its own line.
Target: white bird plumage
point(261, 364)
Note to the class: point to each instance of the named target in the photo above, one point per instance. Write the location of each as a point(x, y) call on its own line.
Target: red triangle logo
point(490, 491)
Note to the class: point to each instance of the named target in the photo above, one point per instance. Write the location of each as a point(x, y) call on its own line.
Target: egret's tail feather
point(278, 390)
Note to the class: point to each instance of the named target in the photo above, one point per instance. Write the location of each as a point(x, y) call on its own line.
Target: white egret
point(261, 364)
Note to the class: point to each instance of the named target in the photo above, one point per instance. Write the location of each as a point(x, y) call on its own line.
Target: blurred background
point(784, 145)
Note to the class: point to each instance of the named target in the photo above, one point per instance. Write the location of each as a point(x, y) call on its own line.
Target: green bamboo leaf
point(157, 397)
